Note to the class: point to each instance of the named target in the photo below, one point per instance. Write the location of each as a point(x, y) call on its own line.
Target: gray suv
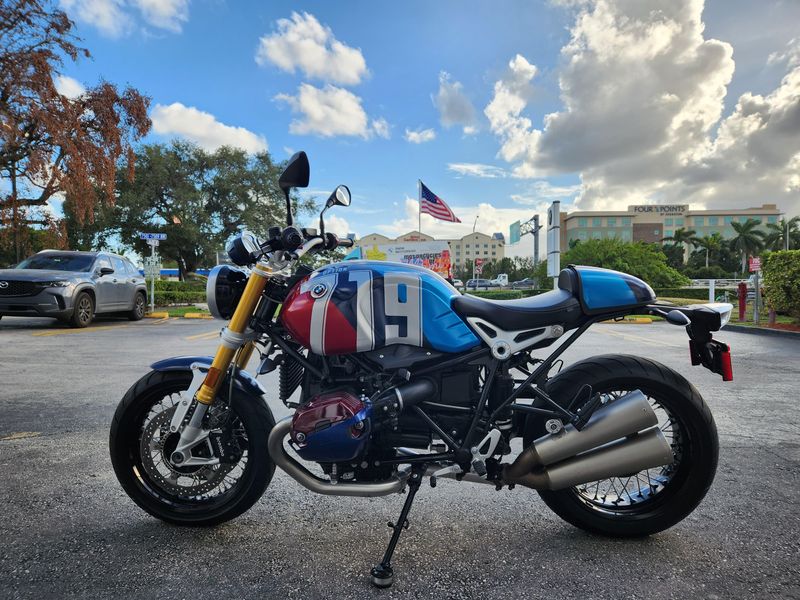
point(73, 287)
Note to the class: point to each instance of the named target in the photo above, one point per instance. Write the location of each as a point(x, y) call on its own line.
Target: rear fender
point(244, 381)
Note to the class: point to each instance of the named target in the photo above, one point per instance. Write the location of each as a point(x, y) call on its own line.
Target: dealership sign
point(431, 255)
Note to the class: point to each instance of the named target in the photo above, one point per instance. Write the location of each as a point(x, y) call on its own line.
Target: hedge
point(184, 297)
point(496, 294)
point(781, 272)
point(164, 285)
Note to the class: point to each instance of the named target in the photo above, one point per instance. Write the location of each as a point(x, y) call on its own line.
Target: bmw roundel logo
point(318, 291)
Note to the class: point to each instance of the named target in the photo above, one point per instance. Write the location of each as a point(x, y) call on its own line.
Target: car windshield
point(58, 262)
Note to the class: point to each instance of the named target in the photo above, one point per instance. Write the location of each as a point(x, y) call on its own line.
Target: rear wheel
point(141, 445)
point(137, 312)
point(653, 500)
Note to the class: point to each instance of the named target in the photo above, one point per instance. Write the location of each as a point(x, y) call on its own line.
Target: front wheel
point(141, 445)
point(653, 500)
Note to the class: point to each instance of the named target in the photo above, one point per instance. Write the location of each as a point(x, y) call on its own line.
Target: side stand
point(382, 574)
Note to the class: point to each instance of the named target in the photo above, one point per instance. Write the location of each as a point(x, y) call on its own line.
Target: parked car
point(524, 284)
point(480, 284)
point(457, 283)
point(73, 287)
point(501, 280)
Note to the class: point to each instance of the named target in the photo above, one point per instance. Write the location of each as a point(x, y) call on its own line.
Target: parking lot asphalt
point(67, 530)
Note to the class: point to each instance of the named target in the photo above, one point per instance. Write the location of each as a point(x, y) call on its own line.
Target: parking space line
point(208, 335)
point(84, 330)
point(19, 435)
point(638, 338)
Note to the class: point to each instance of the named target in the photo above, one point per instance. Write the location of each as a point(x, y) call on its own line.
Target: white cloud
point(164, 14)
point(336, 224)
point(642, 117)
point(302, 42)
point(790, 56)
point(420, 136)
point(455, 108)
point(544, 191)
point(114, 18)
point(477, 170)
point(108, 16)
point(331, 111)
point(69, 87)
point(203, 128)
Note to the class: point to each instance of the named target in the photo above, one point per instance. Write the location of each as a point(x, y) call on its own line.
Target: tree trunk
point(706, 258)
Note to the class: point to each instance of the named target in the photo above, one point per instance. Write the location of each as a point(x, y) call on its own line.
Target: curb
point(197, 315)
point(762, 331)
point(157, 315)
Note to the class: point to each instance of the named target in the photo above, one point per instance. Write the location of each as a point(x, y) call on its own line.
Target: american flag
point(434, 206)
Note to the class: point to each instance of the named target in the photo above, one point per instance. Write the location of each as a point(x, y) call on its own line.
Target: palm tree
point(681, 237)
point(748, 240)
point(776, 234)
point(710, 243)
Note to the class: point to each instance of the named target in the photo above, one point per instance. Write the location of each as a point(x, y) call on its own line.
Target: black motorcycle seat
point(559, 306)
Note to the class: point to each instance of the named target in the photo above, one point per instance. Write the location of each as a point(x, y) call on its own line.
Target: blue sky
point(642, 97)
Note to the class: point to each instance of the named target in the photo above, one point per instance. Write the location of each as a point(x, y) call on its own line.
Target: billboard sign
point(431, 255)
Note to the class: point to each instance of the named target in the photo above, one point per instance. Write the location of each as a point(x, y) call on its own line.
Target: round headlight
point(224, 289)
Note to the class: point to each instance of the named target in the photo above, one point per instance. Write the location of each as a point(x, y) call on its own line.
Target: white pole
point(711, 292)
point(152, 276)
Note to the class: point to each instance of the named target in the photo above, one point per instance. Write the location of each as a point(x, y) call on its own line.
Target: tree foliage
point(642, 260)
point(748, 240)
point(198, 198)
point(51, 144)
point(781, 271)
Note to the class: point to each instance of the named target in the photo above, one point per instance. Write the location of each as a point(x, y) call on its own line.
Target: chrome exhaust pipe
point(624, 417)
point(645, 450)
point(316, 484)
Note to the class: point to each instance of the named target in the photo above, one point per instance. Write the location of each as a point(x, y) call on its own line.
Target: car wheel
point(83, 313)
point(137, 312)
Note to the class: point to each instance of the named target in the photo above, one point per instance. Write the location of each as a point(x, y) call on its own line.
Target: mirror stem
point(288, 209)
point(322, 223)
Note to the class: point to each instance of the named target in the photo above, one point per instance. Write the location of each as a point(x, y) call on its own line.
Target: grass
point(179, 311)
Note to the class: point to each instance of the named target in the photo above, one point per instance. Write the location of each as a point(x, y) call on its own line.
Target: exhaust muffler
point(572, 457)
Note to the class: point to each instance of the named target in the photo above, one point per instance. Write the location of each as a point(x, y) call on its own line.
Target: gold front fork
point(238, 325)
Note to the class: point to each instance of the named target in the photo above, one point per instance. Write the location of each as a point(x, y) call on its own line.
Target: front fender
point(244, 381)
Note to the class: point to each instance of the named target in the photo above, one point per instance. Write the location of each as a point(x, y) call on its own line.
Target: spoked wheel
point(227, 472)
point(652, 500)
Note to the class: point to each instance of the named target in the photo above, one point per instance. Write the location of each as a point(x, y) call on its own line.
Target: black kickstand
point(382, 574)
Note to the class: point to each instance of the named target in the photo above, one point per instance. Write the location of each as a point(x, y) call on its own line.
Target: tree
point(776, 236)
point(681, 238)
point(709, 243)
point(782, 281)
point(748, 240)
point(51, 144)
point(642, 260)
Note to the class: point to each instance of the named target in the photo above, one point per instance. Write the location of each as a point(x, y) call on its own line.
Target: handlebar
point(346, 243)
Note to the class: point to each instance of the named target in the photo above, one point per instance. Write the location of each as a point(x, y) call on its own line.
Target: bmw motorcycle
point(397, 379)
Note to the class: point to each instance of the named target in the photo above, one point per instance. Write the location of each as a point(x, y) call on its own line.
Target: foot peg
point(586, 411)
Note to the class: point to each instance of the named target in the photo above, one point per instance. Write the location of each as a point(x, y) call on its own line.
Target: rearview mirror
point(295, 174)
point(339, 197)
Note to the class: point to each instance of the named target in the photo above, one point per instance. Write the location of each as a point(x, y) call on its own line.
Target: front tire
point(207, 496)
point(83, 311)
point(137, 312)
point(620, 507)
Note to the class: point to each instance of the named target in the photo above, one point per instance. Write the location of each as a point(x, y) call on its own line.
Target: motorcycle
point(396, 378)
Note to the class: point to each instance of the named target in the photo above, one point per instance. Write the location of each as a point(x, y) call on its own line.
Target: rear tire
point(696, 448)
point(190, 508)
point(137, 312)
point(83, 311)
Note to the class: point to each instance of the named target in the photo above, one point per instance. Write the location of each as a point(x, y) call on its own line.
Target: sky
point(499, 107)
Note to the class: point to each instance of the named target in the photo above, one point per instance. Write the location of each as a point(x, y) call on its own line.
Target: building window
point(582, 235)
point(698, 221)
point(494, 253)
point(486, 245)
point(626, 220)
point(597, 235)
point(466, 245)
point(626, 236)
point(582, 222)
point(713, 220)
point(611, 221)
point(757, 219)
point(668, 222)
point(597, 222)
point(728, 220)
point(772, 219)
point(668, 233)
point(678, 222)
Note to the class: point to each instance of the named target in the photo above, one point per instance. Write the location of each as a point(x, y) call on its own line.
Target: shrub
point(697, 293)
point(781, 271)
point(497, 294)
point(163, 285)
point(183, 297)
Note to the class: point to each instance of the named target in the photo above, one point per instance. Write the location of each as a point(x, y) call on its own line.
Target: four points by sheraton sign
point(659, 209)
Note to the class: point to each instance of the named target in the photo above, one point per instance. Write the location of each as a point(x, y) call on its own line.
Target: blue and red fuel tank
point(363, 305)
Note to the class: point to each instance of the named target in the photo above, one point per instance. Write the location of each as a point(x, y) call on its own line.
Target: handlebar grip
point(291, 238)
point(346, 243)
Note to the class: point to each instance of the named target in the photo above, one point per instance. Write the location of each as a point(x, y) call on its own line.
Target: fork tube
point(238, 325)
